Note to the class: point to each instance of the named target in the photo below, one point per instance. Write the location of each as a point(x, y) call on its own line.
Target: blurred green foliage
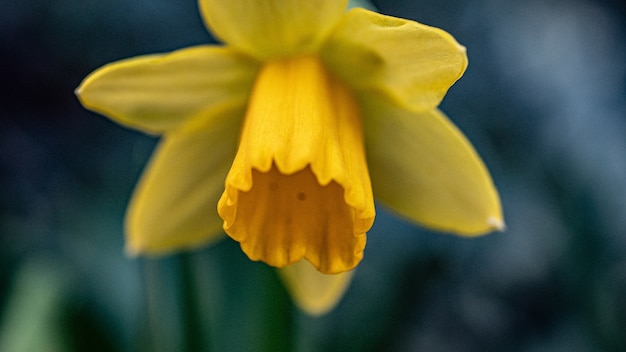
point(543, 101)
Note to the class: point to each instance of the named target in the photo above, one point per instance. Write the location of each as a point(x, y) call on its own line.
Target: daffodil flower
point(283, 136)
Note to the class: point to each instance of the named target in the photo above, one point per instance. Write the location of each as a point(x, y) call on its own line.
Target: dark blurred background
point(543, 101)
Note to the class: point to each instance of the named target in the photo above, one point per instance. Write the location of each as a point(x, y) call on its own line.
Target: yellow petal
point(412, 63)
point(313, 292)
point(174, 205)
point(271, 28)
point(424, 168)
point(157, 93)
point(299, 185)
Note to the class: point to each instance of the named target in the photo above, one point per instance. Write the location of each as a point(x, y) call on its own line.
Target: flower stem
point(192, 326)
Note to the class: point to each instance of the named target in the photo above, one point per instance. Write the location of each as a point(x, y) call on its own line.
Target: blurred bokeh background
point(543, 101)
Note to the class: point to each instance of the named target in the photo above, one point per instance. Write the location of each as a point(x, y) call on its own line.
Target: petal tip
point(496, 224)
point(462, 48)
point(132, 252)
point(314, 293)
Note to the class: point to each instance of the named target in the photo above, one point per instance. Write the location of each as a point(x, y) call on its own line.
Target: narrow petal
point(412, 63)
point(174, 205)
point(313, 292)
point(157, 93)
point(299, 185)
point(424, 168)
point(271, 28)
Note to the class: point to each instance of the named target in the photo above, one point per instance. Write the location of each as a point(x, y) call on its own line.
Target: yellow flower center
point(299, 186)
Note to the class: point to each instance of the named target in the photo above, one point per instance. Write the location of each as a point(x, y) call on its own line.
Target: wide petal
point(299, 185)
point(175, 203)
point(424, 168)
point(409, 62)
point(157, 93)
point(313, 292)
point(271, 28)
